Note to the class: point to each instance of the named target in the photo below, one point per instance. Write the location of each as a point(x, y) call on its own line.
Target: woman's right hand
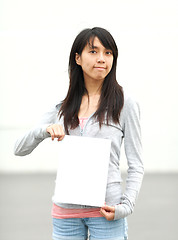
point(56, 131)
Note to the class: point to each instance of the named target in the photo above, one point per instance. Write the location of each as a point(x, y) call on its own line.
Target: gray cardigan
point(128, 129)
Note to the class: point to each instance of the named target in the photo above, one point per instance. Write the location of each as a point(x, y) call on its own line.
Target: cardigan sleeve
point(28, 142)
point(133, 151)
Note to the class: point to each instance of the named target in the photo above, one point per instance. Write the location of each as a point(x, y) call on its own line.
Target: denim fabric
point(97, 228)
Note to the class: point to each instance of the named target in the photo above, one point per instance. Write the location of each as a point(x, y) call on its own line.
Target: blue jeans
point(98, 228)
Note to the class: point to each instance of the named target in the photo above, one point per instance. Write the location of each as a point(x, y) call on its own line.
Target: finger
point(61, 138)
point(103, 212)
point(57, 130)
point(108, 215)
point(51, 132)
point(52, 135)
point(61, 133)
point(108, 208)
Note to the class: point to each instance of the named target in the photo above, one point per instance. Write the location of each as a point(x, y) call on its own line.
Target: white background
point(35, 42)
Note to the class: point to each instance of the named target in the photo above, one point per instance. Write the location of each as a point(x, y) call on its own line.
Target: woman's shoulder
point(54, 108)
point(131, 108)
point(51, 115)
point(58, 106)
point(130, 101)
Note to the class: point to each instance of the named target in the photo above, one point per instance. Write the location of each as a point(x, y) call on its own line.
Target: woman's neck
point(93, 87)
point(90, 101)
point(89, 105)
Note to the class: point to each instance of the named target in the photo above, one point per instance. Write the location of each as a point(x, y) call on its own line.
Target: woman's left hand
point(108, 212)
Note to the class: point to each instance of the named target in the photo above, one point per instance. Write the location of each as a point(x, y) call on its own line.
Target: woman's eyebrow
point(96, 47)
point(92, 46)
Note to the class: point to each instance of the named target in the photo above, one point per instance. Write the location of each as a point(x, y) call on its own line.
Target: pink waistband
point(58, 212)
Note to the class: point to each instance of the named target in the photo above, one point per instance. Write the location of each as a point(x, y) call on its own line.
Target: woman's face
point(96, 61)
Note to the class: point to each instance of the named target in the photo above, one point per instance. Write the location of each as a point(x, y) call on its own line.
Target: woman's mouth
point(100, 68)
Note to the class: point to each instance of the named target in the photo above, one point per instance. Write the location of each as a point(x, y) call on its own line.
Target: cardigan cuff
point(121, 211)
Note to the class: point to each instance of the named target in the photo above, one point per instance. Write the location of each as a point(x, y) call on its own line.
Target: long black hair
point(111, 99)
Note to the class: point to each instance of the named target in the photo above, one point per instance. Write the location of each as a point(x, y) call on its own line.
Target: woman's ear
point(77, 58)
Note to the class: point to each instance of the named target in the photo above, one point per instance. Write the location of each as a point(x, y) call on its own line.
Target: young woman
point(95, 106)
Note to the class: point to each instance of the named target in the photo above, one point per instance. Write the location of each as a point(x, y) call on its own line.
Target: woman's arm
point(46, 128)
point(133, 151)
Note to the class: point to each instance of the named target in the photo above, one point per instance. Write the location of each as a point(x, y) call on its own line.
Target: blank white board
point(82, 171)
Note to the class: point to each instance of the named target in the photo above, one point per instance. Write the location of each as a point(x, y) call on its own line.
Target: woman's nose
point(101, 59)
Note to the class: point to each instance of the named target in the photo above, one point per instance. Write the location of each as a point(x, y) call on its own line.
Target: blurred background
point(35, 42)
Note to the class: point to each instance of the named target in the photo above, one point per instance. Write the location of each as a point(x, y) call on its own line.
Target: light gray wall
point(35, 41)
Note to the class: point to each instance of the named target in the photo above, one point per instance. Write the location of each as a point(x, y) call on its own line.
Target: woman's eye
point(92, 51)
point(108, 52)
